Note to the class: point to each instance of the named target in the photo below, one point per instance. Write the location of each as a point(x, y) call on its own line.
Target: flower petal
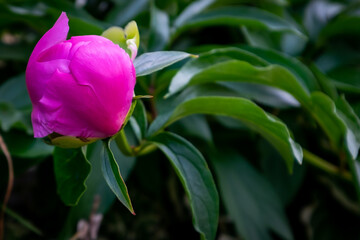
point(109, 72)
point(73, 111)
point(56, 34)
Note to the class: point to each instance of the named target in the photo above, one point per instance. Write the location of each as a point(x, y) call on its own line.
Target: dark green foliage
point(255, 106)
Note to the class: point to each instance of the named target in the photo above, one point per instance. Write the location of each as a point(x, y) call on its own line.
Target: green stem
point(123, 144)
point(325, 166)
point(145, 148)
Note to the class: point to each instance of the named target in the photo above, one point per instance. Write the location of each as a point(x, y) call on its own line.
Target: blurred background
point(318, 41)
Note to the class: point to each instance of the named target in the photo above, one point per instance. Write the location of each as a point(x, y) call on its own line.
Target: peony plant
point(82, 90)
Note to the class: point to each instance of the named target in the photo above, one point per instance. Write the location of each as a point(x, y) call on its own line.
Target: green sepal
point(132, 32)
point(116, 35)
point(120, 36)
point(68, 141)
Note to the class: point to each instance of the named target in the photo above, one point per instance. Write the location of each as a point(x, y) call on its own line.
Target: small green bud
point(128, 39)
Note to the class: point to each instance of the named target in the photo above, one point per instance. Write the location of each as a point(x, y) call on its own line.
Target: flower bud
point(128, 38)
point(81, 87)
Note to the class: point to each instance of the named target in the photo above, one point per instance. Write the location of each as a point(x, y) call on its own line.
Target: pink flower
point(81, 87)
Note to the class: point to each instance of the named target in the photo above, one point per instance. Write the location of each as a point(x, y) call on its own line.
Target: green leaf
point(148, 63)
point(284, 184)
point(30, 147)
point(346, 78)
point(26, 223)
point(323, 109)
point(352, 121)
point(346, 87)
point(96, 187)
point(195, 126)
point(249, 199)
point(338, 121)
point(125, 11)
point(325, 84)
point(354, 166)
point(301, 72)
point(14, 91)
point(159, 29)
point(32, 15)
point(12, 118)
point(204, 70)
point(242, 109)
point(191, 168)
point(236, 16)
point(112, 175)
point(327, 219)
point(18, 52)
point(343, 25)
point(71, 171)
point(80, 21)
point(342, 126)
point(262, 94)
point(15, 105)
point(138, 120)
point(192, 10)
point(338, 57)
point(315, 19)
point(352, 138)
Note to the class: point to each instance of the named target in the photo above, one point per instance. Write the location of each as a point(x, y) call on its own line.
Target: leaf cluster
point(252, 131)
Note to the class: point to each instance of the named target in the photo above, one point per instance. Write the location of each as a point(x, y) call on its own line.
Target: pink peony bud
point(81, 87)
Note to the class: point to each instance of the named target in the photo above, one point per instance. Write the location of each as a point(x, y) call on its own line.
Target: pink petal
point(73, 111)
point(108, 71)
point(56, 34)
point(58, 51)
point(81, 87)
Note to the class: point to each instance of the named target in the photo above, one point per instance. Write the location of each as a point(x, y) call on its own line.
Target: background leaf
point(192, 10)
point(159, 29)
point(255, 211)
point(71, 171)
point(15, 105)
point(204, 70)
point(247, 112)
point(96, 188)
point(125, 11)
point(138, 120)
point(191, 168)
point(235, 16)
point(148, 63)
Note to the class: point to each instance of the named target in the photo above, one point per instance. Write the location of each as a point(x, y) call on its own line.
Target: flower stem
point(9, 186)
point(325, 166)
point(123, 144)
point(146, 148)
